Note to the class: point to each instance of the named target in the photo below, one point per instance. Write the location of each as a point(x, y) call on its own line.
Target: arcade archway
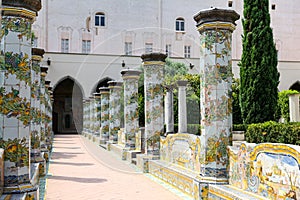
point(67, 107)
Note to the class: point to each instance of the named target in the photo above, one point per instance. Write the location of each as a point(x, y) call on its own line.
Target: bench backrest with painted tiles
point(182, 150)
point(268, 169)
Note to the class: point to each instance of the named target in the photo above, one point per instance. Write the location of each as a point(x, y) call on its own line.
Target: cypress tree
point(258, 68)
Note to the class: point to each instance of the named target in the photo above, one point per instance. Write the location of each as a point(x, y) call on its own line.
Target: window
point(179, 24)
point(128, 48)
point(230, 3)
point(273, 6)
point(65, 45)
point(99, 19)
point(187, 51)
point(168, 50)
point(35, 42)
point(148, 47)
point(86, 46)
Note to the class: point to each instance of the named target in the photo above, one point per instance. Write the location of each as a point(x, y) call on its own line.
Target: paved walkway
point(81, 170)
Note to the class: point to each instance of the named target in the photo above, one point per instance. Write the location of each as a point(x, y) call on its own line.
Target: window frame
point(128, 48)
point(180, 24)
point(148, 47)
point(187, 51)
point(65, 45)
point(86, 46)
point(100, 19)
point(169, 50)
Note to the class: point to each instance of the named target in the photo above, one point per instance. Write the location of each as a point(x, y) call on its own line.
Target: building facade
point(87, 41)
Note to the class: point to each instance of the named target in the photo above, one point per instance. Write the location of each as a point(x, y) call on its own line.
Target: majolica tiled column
point(215, 27)
point(104, 130)
point(182, 114)
point(92, 115)
point(35, 127)
point(15, 92)
point(84, 105)
point(115, 89)
point(153, 64)
point(50, 108)
point(48, 120)
point(131, 114)
point(43, 103)
point(88, 115)
point(169, 109)
point(97, 113)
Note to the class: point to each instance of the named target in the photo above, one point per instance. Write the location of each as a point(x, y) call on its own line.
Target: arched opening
point(67, 107)
point(296, 86)
point(102, 83)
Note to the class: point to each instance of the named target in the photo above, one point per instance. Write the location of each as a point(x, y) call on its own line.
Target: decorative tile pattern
point(184, 181)
point(97, 114)
point(15, 98)
point(92, 108)
point(216, 112)
point(36, 114)
point(182, 150)
point(104, 134)
point(269, 170)
point(21, 26)
point(154, 119)
point(131, 114)
point(114, 110)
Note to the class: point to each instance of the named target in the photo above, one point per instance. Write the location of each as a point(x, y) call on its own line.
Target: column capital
point(182, 83)
point(115, 84)
point(47, 84)
point(294, 95)
point(216, 18)
point(104, 90)
point(97, 95)
point(37, 52)
point(34, 5)
point(44, 71)
point(130, 73)
point(148, 58)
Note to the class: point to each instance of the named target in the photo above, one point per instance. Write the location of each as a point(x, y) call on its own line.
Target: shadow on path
point(78, 179)
point(70, 163)
point(63, 155)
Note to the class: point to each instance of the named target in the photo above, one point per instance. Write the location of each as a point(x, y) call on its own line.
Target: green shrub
point(194, 129)
point(288, 133)
point(283, 103)
point(239, 127)
point(191, 128)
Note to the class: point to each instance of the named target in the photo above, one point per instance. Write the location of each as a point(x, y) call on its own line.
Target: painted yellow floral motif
point(16, 151)
point(17, 64)
point(15, 24)
point(11, 105)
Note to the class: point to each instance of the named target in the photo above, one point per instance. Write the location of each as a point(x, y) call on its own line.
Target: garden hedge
point(274, 132)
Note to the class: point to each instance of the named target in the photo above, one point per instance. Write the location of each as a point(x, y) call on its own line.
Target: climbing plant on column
point(258, 67)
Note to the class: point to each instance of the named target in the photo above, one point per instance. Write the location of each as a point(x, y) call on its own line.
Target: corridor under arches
point(67, 107)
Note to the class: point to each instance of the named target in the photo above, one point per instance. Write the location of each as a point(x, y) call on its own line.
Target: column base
point(29, 190)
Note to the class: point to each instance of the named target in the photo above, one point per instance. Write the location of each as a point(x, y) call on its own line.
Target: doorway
point(67, 108)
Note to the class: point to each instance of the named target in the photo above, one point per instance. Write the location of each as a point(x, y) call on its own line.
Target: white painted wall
point(143, 21)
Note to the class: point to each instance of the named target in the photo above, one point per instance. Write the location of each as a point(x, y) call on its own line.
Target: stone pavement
point(79, 169)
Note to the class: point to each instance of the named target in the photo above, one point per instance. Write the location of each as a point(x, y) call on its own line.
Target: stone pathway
point(81, 170)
